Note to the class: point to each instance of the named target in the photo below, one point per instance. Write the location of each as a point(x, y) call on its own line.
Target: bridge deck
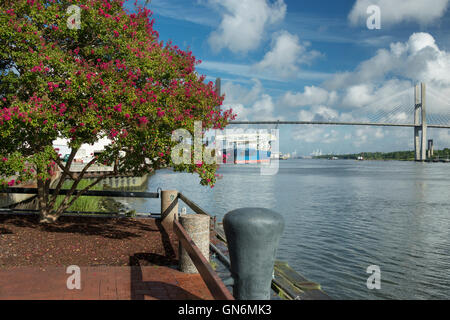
point(408, 125)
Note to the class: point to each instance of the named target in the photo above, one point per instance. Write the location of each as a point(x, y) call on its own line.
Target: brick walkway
point(102, 283)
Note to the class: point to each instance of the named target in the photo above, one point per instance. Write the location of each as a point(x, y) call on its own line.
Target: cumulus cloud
point(244, 23)
point(310, 134)
point(368, 95)
point(311, 95)
point(286, 55)
point(250, 104)
point(418, 59)
point(393, 12)
point(375, 87)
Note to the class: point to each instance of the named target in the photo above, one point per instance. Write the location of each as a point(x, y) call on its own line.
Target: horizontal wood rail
point(90, 214)
point(90, 193)
point(212, 280)
point(193, 205)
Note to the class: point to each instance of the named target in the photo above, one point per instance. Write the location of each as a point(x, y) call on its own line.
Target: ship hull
point(247, 156)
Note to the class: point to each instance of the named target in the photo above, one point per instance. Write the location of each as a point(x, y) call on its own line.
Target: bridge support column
point(423, 154)
point(417, 123)
point(420, 122)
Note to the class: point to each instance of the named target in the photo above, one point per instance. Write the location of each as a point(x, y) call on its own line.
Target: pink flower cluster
point(52, 86)
point(118, 108)
point(143, 121)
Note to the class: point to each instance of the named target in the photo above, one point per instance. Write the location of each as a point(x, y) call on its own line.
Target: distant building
point(86, 152)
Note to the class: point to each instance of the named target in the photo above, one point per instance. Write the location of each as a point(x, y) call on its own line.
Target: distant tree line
point(396, 155)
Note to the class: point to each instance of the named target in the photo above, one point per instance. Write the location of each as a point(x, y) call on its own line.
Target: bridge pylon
point(420, 122)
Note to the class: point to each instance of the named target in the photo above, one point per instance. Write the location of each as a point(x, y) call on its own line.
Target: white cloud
point(375, 87)
point(194, 12)
point(318, 113)
point(235, 93)
point(244, 23)
point(248, 71)
point(285, 56)
point(417, 60)
point(311, 134)
point(393, 12)
point(249, 104)
point(311, 95)
point(381, 84)
point(263, 108)
point(391, 93)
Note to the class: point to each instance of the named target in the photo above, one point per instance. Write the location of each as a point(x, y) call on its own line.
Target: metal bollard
point(252, 236)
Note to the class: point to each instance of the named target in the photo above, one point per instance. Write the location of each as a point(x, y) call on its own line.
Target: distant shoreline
point(439, 155)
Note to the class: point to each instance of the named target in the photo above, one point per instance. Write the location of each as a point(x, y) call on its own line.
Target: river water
point(342, 217)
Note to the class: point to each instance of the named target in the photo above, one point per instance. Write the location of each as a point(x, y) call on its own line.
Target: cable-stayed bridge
point(427, 108)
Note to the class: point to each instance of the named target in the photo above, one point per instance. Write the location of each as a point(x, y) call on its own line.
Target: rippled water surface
point(343, 216)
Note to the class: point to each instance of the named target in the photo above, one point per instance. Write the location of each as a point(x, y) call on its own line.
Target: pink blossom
point(11, 183)
point(113, 133)
point(118, 108)
point(143, 120)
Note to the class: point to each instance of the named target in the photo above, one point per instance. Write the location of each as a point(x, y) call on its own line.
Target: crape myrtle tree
point(108, 77)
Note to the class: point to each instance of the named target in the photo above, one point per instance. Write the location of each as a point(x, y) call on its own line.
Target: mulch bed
point(85, 241)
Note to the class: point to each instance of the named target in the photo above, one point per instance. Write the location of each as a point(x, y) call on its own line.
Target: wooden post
point(169, 207)
point(197, 226)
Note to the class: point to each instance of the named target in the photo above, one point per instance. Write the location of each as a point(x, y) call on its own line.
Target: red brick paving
point(102, 283)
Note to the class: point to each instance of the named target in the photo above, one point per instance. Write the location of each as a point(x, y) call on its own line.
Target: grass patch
point(85, 204)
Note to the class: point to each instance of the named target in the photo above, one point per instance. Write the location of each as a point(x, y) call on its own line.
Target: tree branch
point(66, 205)
point(66, 172)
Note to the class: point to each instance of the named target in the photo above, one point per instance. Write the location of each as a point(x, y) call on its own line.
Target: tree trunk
point(45, 213)
point(46, 218)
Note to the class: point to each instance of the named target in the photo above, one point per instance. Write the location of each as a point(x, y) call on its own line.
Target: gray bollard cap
point(252, 235)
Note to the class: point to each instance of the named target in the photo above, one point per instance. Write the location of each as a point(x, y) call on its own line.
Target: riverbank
point(439, 156)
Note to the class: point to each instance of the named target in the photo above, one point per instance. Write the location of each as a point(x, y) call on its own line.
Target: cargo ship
point(245, 148)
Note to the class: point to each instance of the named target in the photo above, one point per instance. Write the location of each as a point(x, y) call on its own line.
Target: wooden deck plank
point(288, 283)
point(295, 282)
point(102, 283)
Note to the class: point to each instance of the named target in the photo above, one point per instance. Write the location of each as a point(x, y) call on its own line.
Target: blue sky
point(305, 60)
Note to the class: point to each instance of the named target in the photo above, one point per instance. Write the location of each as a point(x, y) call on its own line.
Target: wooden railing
point(209, 276)
point(286, 282)
point(90, 193)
